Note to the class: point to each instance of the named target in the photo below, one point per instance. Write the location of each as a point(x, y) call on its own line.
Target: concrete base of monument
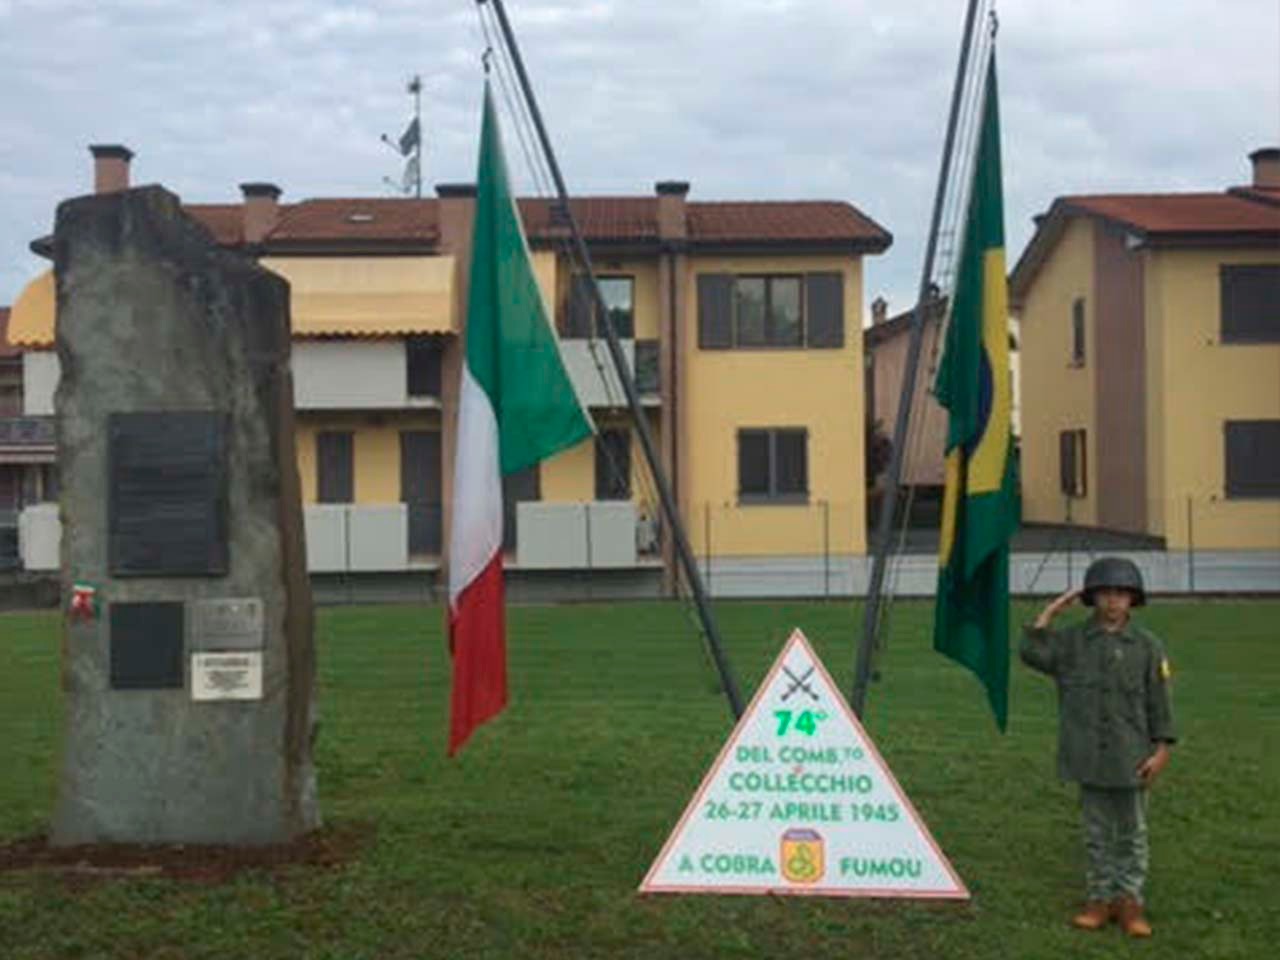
point(329, 847)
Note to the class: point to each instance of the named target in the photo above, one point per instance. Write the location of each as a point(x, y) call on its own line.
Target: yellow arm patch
point(1166, 671)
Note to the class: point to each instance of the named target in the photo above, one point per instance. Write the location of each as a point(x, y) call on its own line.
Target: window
point(618, 294)
point(420, 489)
point(773, 465)
point(10, 386)
point(770, 310)
point(517, 487)
point(334, 468)
point(648, 375)
point(1077, 332)
point(1250, 296)
point(1252, 450)
point(422, 366)
point(1072, 467)
point(613, 464)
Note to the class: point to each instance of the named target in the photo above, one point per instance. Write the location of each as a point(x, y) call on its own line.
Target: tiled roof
point(224, 220)
point(795, 221)
point(1167, 213)
point(358, 219)
point(1270, 195)
point(1242, 215)
point(601, 219)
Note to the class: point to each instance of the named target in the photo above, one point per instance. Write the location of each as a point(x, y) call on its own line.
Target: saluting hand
point(1056, 606)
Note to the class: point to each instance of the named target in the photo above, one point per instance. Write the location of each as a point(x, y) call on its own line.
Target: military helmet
point(1116, 572)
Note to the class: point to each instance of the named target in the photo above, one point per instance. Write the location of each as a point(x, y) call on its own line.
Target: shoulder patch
point(1166, 671)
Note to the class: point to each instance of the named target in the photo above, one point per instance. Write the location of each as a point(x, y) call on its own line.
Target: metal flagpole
point(884, 525)
point(683, 550)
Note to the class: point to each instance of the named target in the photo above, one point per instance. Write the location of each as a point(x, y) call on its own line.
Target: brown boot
point(1094, 916)
point(1132, 922)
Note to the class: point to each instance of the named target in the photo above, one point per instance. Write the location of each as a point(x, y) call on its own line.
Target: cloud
point(747, 99)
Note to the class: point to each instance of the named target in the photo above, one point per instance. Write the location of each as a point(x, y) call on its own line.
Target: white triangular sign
point(800, 802)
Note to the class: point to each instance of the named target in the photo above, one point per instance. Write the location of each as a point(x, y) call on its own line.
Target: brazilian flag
point(980, 505)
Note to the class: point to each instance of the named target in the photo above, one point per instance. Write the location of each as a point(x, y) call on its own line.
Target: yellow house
point(1151, 364)
point(739, 321)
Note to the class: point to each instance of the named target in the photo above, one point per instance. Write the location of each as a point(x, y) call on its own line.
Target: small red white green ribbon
point(84, 602)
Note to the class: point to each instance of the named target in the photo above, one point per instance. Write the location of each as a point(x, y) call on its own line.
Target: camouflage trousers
point(1115, 841)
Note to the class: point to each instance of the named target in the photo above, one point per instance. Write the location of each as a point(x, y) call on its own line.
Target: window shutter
point(1250, 295)
point(1077, 331)
point(791, 467)
point(715, 311)
point(613, 465)
point(753, 463)
point(824, 310)
point(579, 320)
point(422, 357)
point(1253, 458)
point(1067, 462)
point(334, 479)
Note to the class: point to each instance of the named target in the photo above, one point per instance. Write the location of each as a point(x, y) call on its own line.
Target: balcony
point(27, 439)
point(591, 369)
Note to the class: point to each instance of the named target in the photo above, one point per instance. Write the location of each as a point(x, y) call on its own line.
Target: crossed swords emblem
point(800, 683)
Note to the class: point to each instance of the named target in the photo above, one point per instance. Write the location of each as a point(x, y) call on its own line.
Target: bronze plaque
point(146, 646)
point(232, 623)
point(167, 502)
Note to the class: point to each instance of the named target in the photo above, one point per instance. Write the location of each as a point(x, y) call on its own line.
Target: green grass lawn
point(532, 843)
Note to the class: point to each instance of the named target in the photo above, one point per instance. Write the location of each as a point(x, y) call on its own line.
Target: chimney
point(879, 310)
point(672, 222)
point(1266, 168)
point(456, 209)
point(261, 210)
point(110, 167)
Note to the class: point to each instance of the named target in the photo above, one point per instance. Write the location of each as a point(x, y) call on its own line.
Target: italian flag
point(516, 407)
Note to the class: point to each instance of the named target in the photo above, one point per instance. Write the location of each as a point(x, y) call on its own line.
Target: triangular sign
point(800, 802)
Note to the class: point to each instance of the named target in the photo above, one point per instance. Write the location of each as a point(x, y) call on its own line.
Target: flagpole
point(683, 551)
point(889, 505)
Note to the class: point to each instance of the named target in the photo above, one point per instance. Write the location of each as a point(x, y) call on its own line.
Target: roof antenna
point(409, 145)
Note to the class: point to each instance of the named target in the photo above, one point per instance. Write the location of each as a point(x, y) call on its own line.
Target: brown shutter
point(579, 320)
point(1250, 295)
point(1067, 462)
point(1252, 450)
point(824, 310)
point(334, 468)
point(715, 311)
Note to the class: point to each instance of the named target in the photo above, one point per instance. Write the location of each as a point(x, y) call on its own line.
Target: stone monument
point(188, 666)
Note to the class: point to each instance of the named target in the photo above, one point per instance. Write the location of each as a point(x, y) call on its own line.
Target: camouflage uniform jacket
point(1113, 698)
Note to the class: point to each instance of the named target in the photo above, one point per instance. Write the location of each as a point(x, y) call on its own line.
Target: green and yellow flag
point(980, 505)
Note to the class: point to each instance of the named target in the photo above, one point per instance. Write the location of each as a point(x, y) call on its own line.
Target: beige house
point(1150, 328)
point(738, 320)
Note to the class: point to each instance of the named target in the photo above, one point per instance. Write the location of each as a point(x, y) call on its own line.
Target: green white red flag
point(516, 407)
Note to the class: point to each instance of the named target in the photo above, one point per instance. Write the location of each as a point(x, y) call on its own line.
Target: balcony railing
point(27, 432)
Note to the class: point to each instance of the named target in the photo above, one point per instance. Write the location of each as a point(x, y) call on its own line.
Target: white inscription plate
point(226, 676)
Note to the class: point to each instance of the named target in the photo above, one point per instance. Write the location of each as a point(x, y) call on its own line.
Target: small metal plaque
point(230, 624)
point(146, 646)
point(226, 676)
point(167, 498)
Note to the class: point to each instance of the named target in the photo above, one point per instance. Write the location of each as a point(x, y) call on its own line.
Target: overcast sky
point(747, 99)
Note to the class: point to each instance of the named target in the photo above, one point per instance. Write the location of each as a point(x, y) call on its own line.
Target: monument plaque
point(226, 676)
point(231, 624)
point(146, 646)
point(167, 501)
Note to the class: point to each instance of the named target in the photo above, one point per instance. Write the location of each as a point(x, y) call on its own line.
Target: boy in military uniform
point(1115, 728)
